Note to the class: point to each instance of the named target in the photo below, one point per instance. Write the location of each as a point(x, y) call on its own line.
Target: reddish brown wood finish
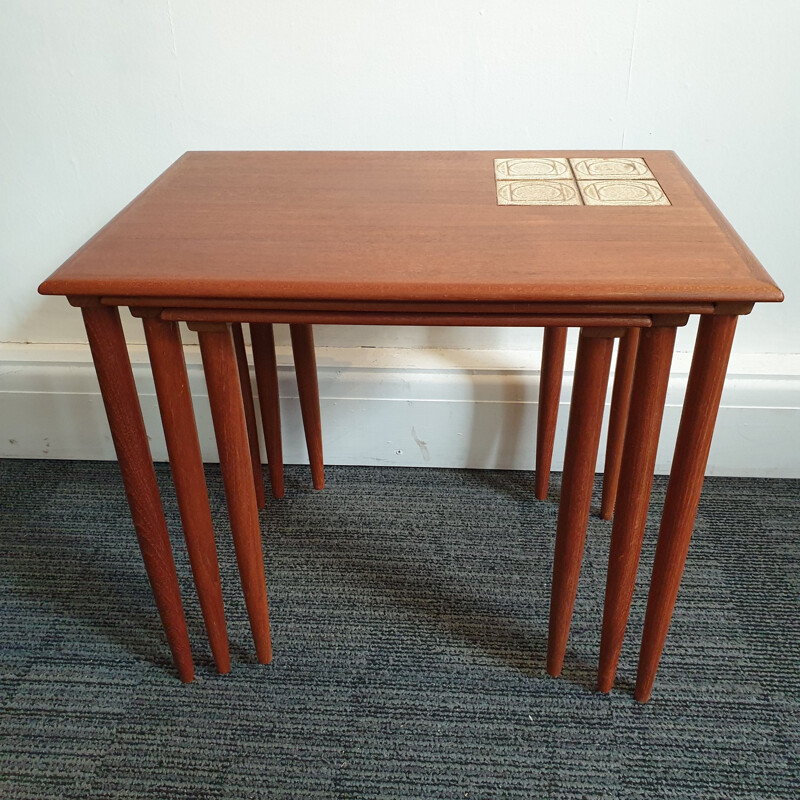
point(580, 460)
point(413, 239)
point(230, 428)
point(115, 376)
point(419, 307)
point(441, 307)
point(648, 394)
point(307, 386)
point(263, 339)
point(618, 417)
point(553, 347)
point(186, 463)
point(405, 227)
point(700, 406)
point(249, 411)
point(403, 318)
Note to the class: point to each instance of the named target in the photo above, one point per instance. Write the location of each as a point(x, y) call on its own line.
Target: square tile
point(506, 169)
point(537, 193)
point(611, 169)
point(623, 193)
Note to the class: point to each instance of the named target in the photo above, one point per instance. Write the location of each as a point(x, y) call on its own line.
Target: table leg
point(263, 340)
point(620, 403)
point(186, 462)
point(230, 428)
point(583, 438)
point(308, 389)
point(115, 376)
point(647, 399)
point(700, 407)
point(554, 345)
point(249, 411)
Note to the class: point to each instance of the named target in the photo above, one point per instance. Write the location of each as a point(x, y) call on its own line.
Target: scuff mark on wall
point(423, 446)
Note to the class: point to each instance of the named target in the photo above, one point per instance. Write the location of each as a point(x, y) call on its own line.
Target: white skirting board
point(435, 408)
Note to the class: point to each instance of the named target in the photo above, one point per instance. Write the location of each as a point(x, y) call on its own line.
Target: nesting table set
point(620, 245)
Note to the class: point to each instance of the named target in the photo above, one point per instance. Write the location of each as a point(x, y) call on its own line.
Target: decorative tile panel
point(622, 193)
point(577, 181)
point(610, 168)
point(537, 192)
point(532, 169)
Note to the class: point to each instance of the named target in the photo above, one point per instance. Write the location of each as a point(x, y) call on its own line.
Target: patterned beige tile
point(610, 169)
point(537, 193)
point(623, 193)
point(532, 169)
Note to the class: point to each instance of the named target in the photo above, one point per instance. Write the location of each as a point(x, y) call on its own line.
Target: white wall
point(97, 97)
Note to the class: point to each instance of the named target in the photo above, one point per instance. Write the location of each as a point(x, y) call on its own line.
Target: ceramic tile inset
point(531, 169)
point(610, 169)
point(537, 193)
point(622, 181)
point(623, 193)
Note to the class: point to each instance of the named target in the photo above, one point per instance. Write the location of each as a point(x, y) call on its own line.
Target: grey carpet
point(409, 612)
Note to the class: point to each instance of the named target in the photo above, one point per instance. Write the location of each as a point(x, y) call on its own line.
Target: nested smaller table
point(607, 242)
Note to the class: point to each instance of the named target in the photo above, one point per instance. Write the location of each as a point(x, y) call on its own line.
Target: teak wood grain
point(554, 343)
point(115, 376)
point(421, 307)
point(230, 429)
point(592, 364)
point(269, 401)
point(700, 406)
point(249, 411)
point(404, 318)
point(406, 226)
point(648, 393)
point(413, 239)
point(305, 365)
point(186, 464)
point(617, 419)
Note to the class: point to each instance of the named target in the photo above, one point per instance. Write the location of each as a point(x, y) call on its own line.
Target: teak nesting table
point(618, 244)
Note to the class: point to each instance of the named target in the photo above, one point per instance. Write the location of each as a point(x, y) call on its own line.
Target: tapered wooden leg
point(306, 368)
point(186, 462)
point(230, 428)
point(648, 394)
point(554, 345)
point(269, 400)
point(115, 376)
point(580, 460)
point(620, 403)
point(700, 406)
point(249, 411)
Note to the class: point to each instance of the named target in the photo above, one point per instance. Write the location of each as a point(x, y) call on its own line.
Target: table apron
point(411, 318)
point(406, 307)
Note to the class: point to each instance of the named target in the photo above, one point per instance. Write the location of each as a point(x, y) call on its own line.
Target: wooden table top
point(408, 227)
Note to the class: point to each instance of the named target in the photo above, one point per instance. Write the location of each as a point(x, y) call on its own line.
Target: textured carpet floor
point(409, 612)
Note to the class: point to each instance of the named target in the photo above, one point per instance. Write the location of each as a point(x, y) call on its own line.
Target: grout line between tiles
point(575, 181)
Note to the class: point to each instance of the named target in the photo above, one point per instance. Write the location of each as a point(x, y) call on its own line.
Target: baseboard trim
point(436, 408)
